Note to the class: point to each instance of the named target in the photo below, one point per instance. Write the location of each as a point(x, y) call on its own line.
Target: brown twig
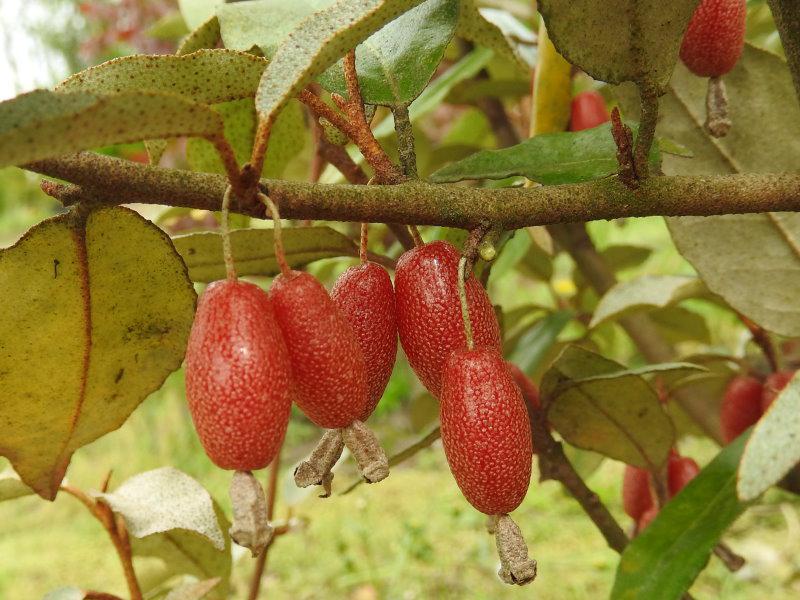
point(95, 595)
point(646, 133)
point(115, 526)
point(405, 140)
point(261, 561)
point(763, 341)
point(623, 138)
point(732, 561)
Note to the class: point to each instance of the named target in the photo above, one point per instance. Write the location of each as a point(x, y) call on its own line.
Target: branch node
point(623, 138)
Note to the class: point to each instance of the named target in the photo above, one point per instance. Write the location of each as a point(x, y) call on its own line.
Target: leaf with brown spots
point(91, 327)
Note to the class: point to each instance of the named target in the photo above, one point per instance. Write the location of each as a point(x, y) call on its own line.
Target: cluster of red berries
point(251, 353)
point(638, 497)
point(746, 399)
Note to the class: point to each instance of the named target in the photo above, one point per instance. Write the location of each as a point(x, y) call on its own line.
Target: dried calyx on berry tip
point(516, 568)
point(369, 455)
point(317, 468)
point(712, 44)
point(250, 527)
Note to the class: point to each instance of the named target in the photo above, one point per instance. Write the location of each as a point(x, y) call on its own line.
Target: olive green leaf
point(620, 40)
point(286, 140)
point(774, 445)
point(597, 404)
point(254, 253)
point(206, 35)
point(193, 591)
point(91, 328)
point(475, 27)
point(43, 124)
point(316, 43)
point(395, 64)
point(263, 24)
point(12, 487)
point(197, 12)
point(549, 158)
point(205, 76)
point(657, 291)
point(664, 560)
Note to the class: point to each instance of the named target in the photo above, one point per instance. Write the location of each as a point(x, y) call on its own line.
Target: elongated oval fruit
point(714, 39)
point(327, 364)
point(680, 471)
point(365, 296)
point(238, 376)
point(637, 498)
point(429, 312)
point(588, 110)
point(485, 430)
point(741, 406)
point(773, 386)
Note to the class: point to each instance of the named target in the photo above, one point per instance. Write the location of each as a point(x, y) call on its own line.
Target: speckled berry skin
point(714, 39)
point(773, 385)
point(741, 406)
point(365, 296)
point(485, 430)
point(238, 376)
point(327, 364)
point(429, 312)
point(636, 495)
point(588, 110)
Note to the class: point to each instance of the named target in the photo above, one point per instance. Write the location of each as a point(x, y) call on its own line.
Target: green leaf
point(597, 404)
point(171, 516)
point(435, 93)
point(205, 76)
point(319, 41)
point(44, 124)
point(65, 593)
point(108, 321)
point(662, 562)
point(11, 487)
point(534, 344)
point(171, 27)
point(206, 35)
point(549, 158)
point(678, 324)
point(656, 291)
point(625, 256)
point(752, 261)
point(254, 252)
point(193, 591)
point(473, 25)
point(619, 40)
point(774, 445)
point(396, 63)
point(196, 12)
point(264, 23)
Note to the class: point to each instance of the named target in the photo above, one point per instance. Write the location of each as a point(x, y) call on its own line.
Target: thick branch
point(117, 181)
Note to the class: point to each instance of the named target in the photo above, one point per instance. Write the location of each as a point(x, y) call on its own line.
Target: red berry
point(714, 39)
point(680, 471)
point(429, 312)
point(238, 376)
point(327, 364)
point(485, 430)
point(647, 517)
point(365, 296)
point(636, 495)
point(773, 386)
point(588, 111)
point(741, 406)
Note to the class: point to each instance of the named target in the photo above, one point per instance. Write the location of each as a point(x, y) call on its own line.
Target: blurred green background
point(413, 535)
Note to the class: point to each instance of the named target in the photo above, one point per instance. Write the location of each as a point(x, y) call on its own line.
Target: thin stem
point(462, 296)
point(228, 157)
point(415, 235)
point(763, 341)
point(362, 249)
point(647, 132)
point(252, 171)
point(405, 140)
point(280, 255)
point(272, 494)
point(115, 527)
point(227, 252)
